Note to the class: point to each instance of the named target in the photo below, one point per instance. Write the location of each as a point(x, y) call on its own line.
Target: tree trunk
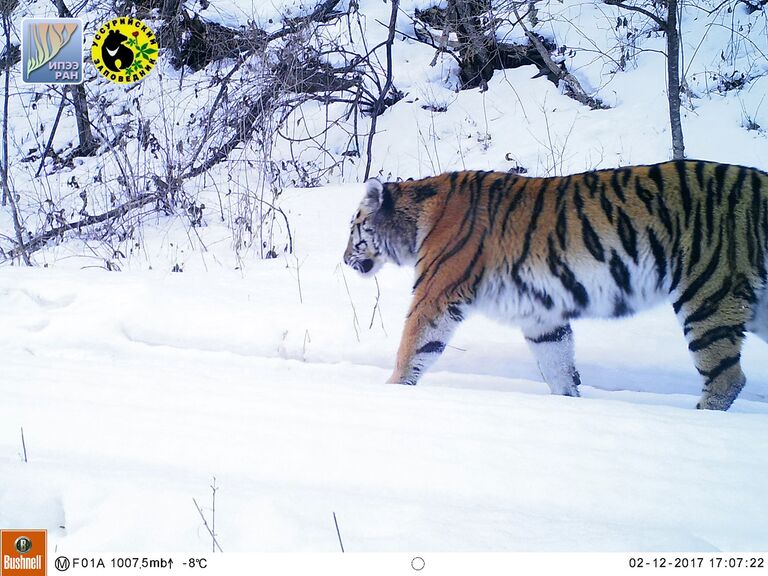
point(476, 51)
point(88, 145)
point(8, 195)
point(4, 167)
point(673, 81)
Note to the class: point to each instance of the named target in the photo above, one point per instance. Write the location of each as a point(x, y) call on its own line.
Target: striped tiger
point(539, 252)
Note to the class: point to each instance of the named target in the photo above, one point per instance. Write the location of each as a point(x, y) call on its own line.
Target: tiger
point(541, 252)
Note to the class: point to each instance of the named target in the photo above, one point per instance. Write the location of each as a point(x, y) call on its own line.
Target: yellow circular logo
point(124, 50)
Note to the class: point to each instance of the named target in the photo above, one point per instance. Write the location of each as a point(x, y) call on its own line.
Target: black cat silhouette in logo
point(113, 51)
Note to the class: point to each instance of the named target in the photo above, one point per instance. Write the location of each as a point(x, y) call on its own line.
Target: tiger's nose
point(366, 265)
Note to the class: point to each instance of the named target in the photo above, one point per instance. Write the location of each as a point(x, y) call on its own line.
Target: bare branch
point(205, 523)
point(621, 4)
point(577, 92)
point(378, 106)
point(37, 242)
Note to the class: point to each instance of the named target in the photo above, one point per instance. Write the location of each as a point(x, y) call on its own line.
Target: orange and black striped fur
point(541, 251)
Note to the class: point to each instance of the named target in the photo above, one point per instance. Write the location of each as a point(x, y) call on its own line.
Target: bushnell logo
point(124, 50)
point(23, 544)
point(23, 552)
point(52, 50)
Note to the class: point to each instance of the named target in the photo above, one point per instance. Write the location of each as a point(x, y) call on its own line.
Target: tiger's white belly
point(526, 302)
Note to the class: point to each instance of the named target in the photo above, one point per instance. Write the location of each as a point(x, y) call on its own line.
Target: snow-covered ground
point(136, 389)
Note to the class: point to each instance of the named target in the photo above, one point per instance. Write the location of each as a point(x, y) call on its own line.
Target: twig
point(205, 523)
point(23, 444)
point(213, 514)
point(338, 532)
point(355, 322)
point(53, 133)
point(377, 308)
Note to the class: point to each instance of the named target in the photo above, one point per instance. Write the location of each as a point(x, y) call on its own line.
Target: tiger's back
point(541, 251)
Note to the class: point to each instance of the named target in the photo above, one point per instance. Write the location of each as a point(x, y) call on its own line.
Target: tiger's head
point(382, 231)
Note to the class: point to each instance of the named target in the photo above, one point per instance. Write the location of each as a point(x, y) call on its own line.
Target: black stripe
point(628, 235)
point(556, 335)
point(685, 191)
point(592, 240)
point(644, 194)
point(453, 177)
point(724, 365)
point(732, 333)
point(591, 181)
point(626, 175)
point(566, 276)
point(497, 192)
point(458, 245)
point(736, 190)
point(709, 305)
point(537, 208)
point(677, 270)
point(434, 347)
point(701, 280)
point(617, 187)
point(620, 273)
point(424, 192)
point(621, 308)
point(513, 206)
point(695, 255)
point(700, 173)
point(561, 228)
point(455, 313)
point(578, 201)
point(659, 257)
point(654, 173)
point(720, 171)
point(733, 199)
point(750, 233)
point(562, 187)
point(576, 378)
point(523, 288)
point(664, 215)
point(759, 260)
point(764, 223)
point(710, 210)
point(607, 207)
point(469, 271)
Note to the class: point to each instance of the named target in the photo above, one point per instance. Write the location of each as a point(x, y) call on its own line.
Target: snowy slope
point(136, 389)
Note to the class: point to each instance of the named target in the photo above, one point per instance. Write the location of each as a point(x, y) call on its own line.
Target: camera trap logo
point(23, 552)
point(124, 50)
point(52, 50)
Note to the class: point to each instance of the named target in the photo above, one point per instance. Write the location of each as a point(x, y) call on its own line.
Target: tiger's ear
point(376, 195)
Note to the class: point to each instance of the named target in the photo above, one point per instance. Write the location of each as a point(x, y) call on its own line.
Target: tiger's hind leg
point(552, 346)
point(714, 327)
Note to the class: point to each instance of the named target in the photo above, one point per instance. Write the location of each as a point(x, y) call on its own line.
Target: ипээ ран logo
point(124, 50)
point(52, 50)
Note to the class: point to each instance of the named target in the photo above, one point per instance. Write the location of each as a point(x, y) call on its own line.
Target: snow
point(136, 389)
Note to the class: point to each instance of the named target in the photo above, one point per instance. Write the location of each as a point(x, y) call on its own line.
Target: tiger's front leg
point(553, 348)
point(424, 338)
